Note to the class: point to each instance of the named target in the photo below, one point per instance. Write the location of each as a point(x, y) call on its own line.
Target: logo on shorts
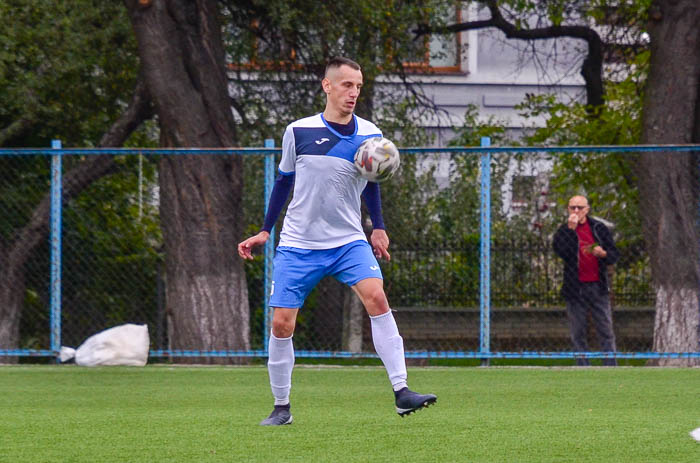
point(322, 141)
point(272, 288)
point(374, 267)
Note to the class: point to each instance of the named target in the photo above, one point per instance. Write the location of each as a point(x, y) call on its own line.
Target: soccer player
point(322, 235)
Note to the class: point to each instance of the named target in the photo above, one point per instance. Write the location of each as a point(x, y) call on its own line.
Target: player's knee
point(376, 302)
point(282, 328)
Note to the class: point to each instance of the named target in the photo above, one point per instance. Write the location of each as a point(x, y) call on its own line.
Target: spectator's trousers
point(591, 297)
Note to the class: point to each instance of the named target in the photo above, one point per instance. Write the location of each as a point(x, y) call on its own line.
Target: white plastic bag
point(122, 345)
point(695, 434)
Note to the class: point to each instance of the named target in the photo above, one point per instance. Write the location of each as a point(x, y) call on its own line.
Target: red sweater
point(587, 262)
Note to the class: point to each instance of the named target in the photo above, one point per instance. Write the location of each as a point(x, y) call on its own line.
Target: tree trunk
point(668, 182)
point(353, 313)
point(182, 57)
point(11, 303)
point(677, 317)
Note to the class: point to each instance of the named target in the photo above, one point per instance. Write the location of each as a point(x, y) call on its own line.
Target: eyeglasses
point(574, 208)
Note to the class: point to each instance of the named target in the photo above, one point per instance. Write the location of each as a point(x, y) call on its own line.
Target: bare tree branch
point(27, 119)
point(81, 176)
point(17, 127)
point(139, 110)
point(240, 109)
point(591, 69)
point(26, 239)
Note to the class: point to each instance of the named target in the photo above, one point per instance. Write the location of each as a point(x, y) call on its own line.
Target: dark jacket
point(566, 246)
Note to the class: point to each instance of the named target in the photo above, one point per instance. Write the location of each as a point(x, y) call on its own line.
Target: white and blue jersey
point(325, 209)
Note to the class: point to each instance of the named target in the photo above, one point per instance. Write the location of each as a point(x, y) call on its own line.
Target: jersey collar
point(336, 133)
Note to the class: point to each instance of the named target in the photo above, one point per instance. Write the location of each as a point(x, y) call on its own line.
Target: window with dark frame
point(438, 52)
point(523, 190)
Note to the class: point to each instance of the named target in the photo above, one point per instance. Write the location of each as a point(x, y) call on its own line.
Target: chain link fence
point(434, 282)
point(24, 180)
point(113, 263)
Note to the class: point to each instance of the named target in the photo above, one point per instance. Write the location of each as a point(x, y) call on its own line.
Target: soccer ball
point(377, 159)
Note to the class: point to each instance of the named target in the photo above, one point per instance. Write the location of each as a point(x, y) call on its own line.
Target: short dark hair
point(338, 61)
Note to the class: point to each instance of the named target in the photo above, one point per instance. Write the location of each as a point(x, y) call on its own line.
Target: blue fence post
point(56, 216)
point(270, 244)
point(485, 255)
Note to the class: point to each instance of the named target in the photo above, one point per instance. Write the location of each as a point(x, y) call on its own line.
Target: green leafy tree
point(61, 77)
point(66, 68)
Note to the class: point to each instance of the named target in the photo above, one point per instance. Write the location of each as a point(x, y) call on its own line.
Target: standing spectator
point(587, 248)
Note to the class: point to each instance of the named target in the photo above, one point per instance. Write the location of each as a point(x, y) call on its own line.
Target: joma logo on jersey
point(322, 140)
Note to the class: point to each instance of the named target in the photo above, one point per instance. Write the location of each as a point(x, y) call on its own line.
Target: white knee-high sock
point(389, 346)
point(279, 366)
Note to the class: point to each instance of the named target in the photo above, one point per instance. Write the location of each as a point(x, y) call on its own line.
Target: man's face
point(579, 205)
point(342, 85)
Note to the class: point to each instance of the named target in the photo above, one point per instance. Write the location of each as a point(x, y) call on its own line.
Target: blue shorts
point(297, 271)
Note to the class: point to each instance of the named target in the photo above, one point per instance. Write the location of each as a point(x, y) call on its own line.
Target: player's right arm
point(280, 192)
point(245, 248)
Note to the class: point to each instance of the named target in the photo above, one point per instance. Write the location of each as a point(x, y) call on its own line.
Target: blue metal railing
point(55, 236)
point(269, 245)
point(484, 353)
point(485, 253)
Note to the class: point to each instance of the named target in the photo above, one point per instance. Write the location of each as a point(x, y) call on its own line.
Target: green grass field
point(345, 414)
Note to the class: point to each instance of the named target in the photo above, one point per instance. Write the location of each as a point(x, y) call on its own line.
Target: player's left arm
point(379, 239)
point(380, 243)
